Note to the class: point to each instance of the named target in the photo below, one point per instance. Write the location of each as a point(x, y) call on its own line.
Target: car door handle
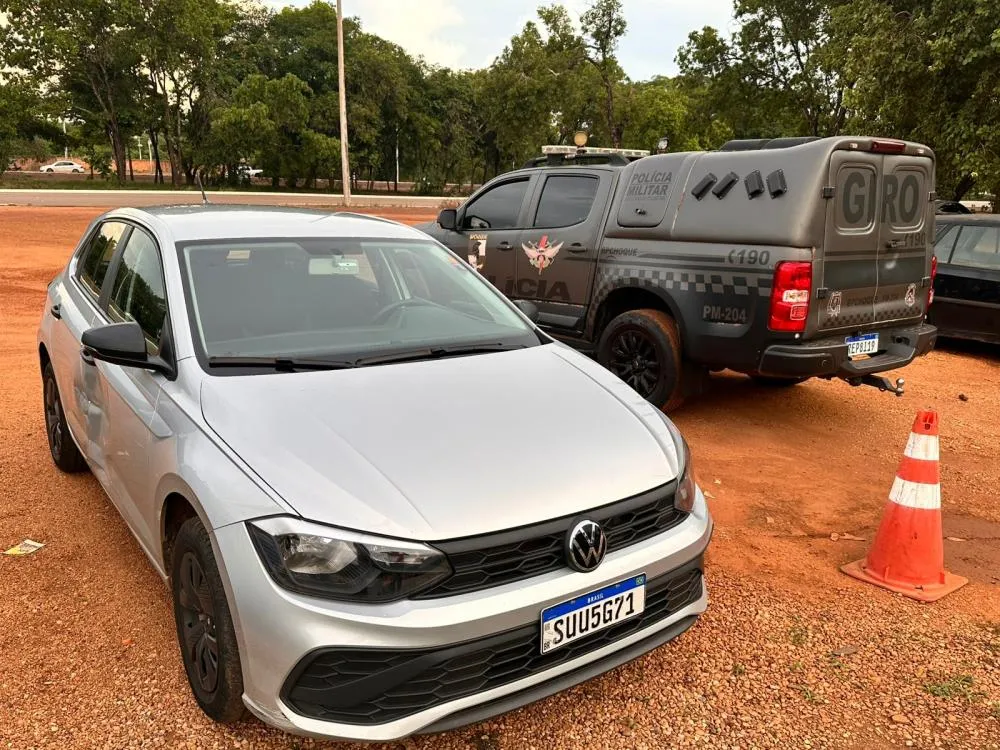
point(87, 357)
point(505, 246)
point(577, 247)
point(56, 311)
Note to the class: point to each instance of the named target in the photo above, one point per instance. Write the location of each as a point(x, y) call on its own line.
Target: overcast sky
point(471, 33)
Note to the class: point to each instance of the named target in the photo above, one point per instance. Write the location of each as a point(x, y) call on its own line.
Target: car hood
point(445, 448)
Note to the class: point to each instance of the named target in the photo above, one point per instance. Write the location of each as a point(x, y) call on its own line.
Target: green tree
point(603, 26)
point(88, 48)
point(929, 70)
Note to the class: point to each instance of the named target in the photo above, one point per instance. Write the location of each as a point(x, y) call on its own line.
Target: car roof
point(216, 222)
point(967, 219)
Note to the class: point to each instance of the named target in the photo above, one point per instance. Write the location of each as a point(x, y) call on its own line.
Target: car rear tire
point(643, 348)
point(773, 382)
point(63, 450)
point(205, 631)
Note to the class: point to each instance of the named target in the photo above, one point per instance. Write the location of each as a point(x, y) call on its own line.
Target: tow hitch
point(880, 382)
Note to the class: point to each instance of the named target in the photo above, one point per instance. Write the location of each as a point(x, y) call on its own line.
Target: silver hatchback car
point(383, 500)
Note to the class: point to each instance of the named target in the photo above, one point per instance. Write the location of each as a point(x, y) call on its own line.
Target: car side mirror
point(448, 219)
point(120, 344)
point(530, 309)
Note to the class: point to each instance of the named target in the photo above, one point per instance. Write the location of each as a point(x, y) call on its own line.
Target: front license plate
point(864, 344)
point(589, 613)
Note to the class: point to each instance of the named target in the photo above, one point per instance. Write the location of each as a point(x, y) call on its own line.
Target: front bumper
point(828, 356)
point(281, 634)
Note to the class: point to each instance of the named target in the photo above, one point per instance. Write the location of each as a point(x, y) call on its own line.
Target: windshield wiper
point(282, 364)
point(436, 352)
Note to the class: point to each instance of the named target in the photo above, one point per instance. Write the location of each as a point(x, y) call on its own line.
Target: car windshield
point(341, 299)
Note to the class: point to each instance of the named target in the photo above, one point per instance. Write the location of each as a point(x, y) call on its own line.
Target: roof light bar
point(588, 150)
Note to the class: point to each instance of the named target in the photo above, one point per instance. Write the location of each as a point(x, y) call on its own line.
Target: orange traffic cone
point(907, 555)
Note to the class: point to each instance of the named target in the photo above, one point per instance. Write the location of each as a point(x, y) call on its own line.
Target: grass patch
point(995, 711)
point(738, 670)
point(955, 687)
point(808, 694)
point(798, 634)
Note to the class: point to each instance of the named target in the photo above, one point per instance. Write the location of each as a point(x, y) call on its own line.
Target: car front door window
point(138, 293)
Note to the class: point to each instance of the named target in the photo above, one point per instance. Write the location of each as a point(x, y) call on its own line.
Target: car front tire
point(63, 450)
point(205, 629)
point(643, 348)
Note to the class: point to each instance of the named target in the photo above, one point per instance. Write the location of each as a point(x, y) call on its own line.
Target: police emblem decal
point(477, 251)
point(833, 306)
point(911, 295)
point(542, 254)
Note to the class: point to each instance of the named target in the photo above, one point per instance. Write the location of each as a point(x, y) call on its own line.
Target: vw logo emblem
point(586, 545)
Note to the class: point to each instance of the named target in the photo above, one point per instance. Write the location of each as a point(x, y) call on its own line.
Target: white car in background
point(245, 170)
point(63, 166)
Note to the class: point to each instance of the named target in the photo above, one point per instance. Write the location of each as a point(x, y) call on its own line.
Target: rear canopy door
point(847, 270)
point(905, 231)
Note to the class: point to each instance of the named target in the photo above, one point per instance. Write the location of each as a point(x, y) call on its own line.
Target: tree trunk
point(964, 185)
point(117, 148)
point(131, 170)
point(157, 167)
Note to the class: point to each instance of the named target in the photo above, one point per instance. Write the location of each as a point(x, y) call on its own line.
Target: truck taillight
point(790, 296)
point(930, 292)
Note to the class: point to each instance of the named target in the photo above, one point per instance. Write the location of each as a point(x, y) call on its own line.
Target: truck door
point(906, 225)
point(558, 251)
point(489, 229)
point(846, 271)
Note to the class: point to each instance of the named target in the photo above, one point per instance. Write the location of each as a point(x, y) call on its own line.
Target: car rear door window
point(565, 200)
point(945, 241)
point(497, 208)
point(97, 257)
point(978, 246)
point(138, 292)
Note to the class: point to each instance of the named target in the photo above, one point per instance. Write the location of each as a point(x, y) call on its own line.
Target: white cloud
point(426, 28)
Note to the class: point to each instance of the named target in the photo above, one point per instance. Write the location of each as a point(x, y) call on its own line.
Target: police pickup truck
point(783, 259)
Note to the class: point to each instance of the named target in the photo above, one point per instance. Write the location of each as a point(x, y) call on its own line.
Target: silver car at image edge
point(384, 501)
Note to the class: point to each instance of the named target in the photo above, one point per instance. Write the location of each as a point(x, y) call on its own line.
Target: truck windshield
point(343, 299)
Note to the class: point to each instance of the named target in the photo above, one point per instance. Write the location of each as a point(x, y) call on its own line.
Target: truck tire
point(643, 348)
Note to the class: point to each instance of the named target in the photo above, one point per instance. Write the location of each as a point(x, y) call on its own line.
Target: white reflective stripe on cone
point(915, 494)
point(924, 447)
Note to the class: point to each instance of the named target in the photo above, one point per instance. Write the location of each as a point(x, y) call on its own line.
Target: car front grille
point(489, 560)
point(375, 686)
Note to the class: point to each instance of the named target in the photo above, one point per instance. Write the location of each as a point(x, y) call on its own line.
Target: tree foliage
point(214, 84)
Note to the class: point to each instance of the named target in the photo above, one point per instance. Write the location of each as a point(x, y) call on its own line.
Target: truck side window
point(977, 247)
point(497, 208)
point(566, 200)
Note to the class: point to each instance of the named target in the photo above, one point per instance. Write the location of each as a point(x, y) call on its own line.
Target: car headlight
point(316, 560)
point(686, 487)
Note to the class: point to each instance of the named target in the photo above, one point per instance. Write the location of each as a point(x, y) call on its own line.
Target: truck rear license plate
point(589, 613)
point(865, 344)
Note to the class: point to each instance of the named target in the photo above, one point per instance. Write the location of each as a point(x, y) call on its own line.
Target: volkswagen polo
point(383, 500)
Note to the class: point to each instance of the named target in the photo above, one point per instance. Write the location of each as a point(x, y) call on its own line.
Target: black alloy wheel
point(633, 359)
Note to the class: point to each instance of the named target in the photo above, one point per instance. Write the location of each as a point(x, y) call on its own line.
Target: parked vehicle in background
point(784, 259)
point(967, 287)
point(951, 207)
point(245, 170)
point(273, 398)
point(63, 166)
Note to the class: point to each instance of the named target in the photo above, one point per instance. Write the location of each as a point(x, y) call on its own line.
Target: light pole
point(345, 171)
